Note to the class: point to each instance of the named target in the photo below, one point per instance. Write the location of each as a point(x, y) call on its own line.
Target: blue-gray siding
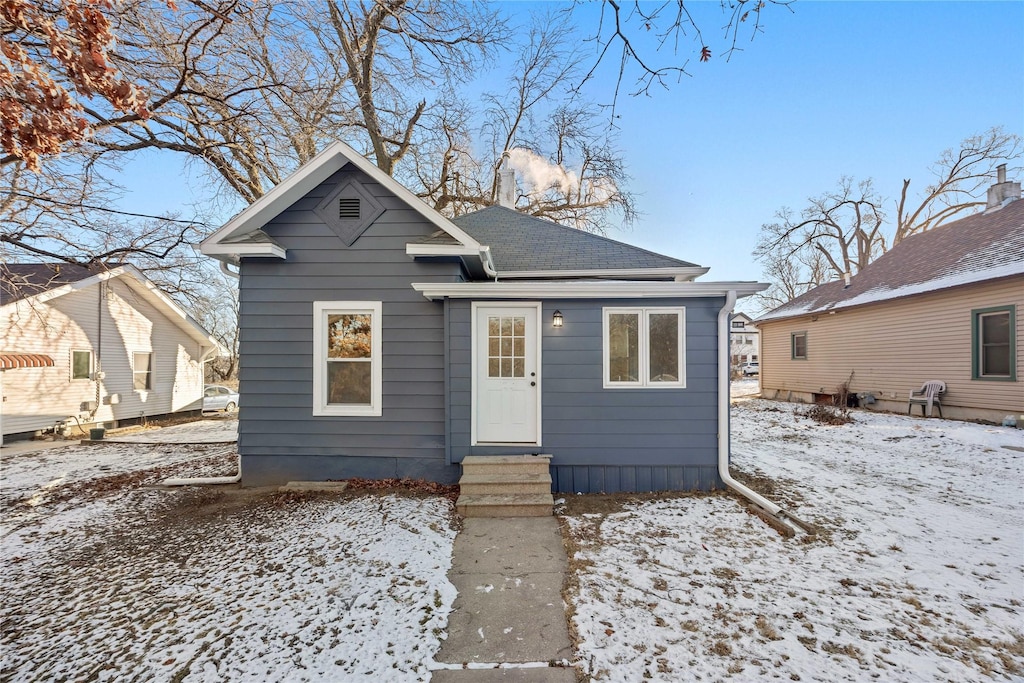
point(279, 438)
point(605, 439)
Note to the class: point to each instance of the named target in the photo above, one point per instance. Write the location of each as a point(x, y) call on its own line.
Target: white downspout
point(723, 425)
point(488, 263)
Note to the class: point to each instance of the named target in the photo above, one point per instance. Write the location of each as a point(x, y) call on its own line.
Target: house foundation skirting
point(950, 410)
point(633, 478)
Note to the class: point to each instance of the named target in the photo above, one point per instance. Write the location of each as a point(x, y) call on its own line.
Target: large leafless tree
point(844, 229)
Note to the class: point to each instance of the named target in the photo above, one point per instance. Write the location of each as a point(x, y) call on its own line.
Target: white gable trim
point(301, 182)
point(584, 290)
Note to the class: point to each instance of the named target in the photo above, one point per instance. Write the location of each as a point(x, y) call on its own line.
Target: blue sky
point(875, 89)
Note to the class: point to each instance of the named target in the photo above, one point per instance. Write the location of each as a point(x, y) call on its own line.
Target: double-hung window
point(993, 343)
point(644, 347)
point(347, 358)
point(142, 371)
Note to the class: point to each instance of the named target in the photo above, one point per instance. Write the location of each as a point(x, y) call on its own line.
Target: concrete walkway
point(509, 573)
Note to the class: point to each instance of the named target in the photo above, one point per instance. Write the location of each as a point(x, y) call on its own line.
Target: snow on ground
point(217, 429)
point(104, 579)
point(916, 575)
point(746, 387)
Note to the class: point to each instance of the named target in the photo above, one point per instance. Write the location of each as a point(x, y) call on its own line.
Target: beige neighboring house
point(744, 340)
point(93, 347)
point(947, 304)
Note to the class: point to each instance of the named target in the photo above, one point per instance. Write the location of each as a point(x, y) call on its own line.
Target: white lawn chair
point(930, 394)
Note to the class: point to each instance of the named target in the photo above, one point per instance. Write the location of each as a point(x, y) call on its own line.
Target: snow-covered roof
point(982, 247)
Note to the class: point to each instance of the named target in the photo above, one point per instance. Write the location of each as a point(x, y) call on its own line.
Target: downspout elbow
point(488, 263)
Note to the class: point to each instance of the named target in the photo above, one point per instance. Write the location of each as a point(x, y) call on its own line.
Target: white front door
point(506, 374)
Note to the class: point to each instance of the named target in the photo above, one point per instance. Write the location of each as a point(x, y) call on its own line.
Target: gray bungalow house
point(381, 339)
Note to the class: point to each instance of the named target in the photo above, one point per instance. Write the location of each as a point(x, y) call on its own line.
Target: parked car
point(216, 397)
point(751, 369)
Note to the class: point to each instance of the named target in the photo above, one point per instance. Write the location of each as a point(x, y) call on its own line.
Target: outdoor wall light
point(556, 319)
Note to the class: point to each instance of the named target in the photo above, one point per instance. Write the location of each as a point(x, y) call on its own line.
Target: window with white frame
point(81, 364)
point(347, 358)
point(644, 347)
point(142, 371)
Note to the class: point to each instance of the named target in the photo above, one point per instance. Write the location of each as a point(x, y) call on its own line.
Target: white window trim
point(321, 309)
point(644, 344)
point(92, 366)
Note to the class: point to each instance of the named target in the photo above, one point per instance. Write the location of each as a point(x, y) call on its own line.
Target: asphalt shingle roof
point(984, 246)
point(22, 280)
point(520, 242)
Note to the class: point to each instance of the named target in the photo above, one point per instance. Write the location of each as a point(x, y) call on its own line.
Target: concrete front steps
point(505, 486)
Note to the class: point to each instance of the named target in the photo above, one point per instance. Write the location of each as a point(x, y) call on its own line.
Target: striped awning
point(11, 361)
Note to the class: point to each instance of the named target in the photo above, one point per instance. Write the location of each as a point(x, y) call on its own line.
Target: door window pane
point(506, 342)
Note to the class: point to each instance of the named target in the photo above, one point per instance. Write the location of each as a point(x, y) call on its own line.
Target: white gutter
point(757, 499)
point(488, 263)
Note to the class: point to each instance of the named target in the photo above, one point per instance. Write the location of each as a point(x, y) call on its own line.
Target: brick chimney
point(1002, 193)
point(507, 184)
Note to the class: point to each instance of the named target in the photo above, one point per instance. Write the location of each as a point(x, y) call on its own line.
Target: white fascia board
point(308, 176)
point(583, 290)
point(677, 274)
point(233, 252)
point(415, 249)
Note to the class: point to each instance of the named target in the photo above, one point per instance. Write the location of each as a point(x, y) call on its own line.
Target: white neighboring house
point(744, 340)
point(93, 347)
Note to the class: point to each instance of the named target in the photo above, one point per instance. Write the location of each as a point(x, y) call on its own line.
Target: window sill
point(332, 411)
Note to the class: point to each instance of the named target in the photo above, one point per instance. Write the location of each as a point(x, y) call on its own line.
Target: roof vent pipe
point(846, 279)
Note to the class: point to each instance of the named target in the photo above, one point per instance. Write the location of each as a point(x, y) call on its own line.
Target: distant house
point(744, 340)
point(88, 347)
point(942, 305)
point(382, 339)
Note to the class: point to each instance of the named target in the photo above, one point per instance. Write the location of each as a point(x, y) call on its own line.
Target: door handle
point(533, 384)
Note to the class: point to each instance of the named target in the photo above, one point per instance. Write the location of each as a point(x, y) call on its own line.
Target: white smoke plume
point(538, 174)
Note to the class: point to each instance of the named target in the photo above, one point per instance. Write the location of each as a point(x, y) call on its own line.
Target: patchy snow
point(219, 429)
point(745, 388)
point(916, 575)
point(105, 582)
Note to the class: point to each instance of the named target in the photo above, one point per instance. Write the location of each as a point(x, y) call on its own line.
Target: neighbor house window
point(737, 324)
point(142, 371)
point(347, 358)
point(81, 364)
point(644, 347)
point(799, 345)
point(993, 343)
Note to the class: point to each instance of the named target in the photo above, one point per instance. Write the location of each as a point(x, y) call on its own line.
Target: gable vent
point(348, 208)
